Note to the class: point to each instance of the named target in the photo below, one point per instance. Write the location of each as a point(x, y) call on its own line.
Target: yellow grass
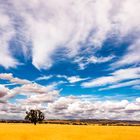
point(67, 132)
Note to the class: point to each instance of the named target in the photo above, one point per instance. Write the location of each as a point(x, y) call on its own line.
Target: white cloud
point(6, 35)
point(3, 91)
point(27, 88)
point(12, 79)
point(132, 56)
point(128, 13)
point(49, 25)
point(74, 79)
point(33, 88)
point(68, 107)
point(71, 79)
point(124, 84)
point(44, 78)
point(6, 76)
point(46, 97)
point(19, 81)
point(83, 62)
point(94, 59)
point(113, 78)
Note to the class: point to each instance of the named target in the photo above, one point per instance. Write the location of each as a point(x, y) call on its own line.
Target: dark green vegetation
point(34, 116)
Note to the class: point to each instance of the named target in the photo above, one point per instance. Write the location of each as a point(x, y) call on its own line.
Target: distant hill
point(83, 122)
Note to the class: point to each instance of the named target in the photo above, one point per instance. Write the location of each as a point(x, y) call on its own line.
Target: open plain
point(11, 131)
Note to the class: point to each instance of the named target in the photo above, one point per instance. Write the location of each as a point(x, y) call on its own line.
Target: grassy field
point(67, 132)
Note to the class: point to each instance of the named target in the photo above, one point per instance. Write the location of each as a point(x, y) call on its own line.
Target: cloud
point(41, 28)
point(33, 95)
point(33, 88)
point(19, 81)
point(83, 62)
point(61, 104)
point(7, 33)
point(74, 79)
point(44, 78)
point(14, 80)
point(94, 59)
point(131, 56)
point(41, 98)
point(127, 11)
point(113, 78)
point(6, 76)
point(62, 76)
point(3, 91)
point(70, 107)
point(5, 94)
point(71, 79)
point(27, 88)
point(124, 84)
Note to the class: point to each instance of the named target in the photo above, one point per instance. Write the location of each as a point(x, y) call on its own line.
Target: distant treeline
point(82, 122)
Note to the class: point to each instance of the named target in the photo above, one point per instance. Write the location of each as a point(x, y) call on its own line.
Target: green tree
point(34, 116)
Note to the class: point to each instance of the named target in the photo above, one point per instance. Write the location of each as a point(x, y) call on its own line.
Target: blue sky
point(73, 59)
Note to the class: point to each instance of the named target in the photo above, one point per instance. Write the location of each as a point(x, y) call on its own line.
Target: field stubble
point(67, 132)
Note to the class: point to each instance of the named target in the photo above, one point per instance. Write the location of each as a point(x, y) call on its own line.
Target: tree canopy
point(34, 116)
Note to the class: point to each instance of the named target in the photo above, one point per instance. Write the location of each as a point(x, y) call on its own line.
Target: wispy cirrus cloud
point(42, 27)
point(123, 84)
point(44, 78)
point(114, 78)
point(72, 79)
point(84, 62)
point(6, 35)
point(131, 57)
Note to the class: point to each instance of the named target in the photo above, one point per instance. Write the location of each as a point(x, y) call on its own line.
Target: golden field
point(67, 132)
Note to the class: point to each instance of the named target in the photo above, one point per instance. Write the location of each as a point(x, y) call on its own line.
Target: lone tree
point(34, 116)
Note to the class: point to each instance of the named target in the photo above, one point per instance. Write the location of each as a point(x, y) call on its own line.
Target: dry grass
point(67, 132)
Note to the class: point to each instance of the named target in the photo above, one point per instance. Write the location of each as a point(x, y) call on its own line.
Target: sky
point(72, 59)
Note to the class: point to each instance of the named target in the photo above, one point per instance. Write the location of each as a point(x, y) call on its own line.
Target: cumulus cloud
point(42, 27)
point(41, 98)
point(70, 107)
point(35, 96)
